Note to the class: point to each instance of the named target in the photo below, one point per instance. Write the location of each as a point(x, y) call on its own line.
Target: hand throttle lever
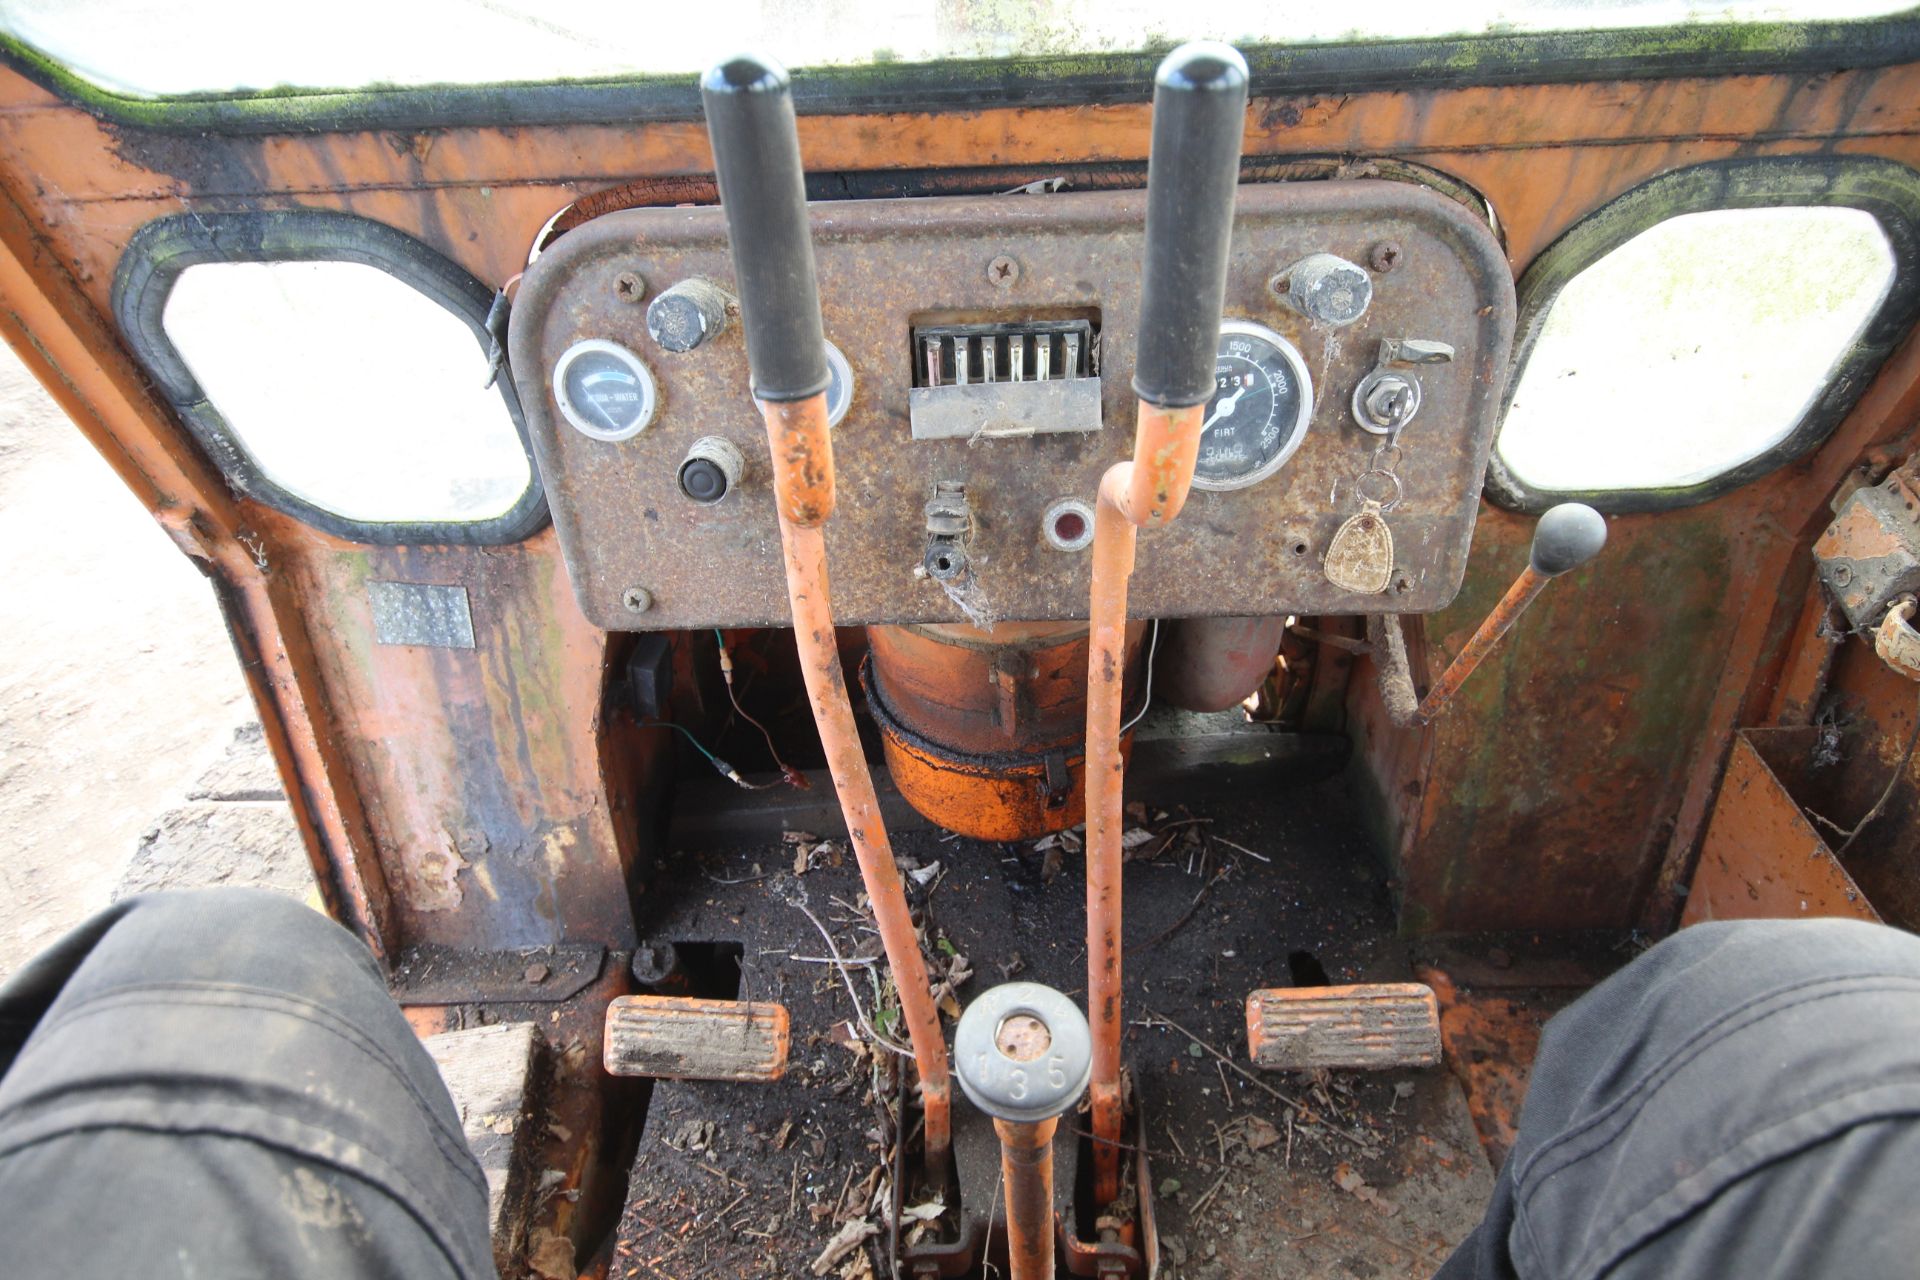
point(756, 155)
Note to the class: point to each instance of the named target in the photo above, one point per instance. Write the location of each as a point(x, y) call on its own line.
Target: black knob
point(711, 469)
point(756, 157)
point(1567, 537)
point(687, 315)
point(1193, 170)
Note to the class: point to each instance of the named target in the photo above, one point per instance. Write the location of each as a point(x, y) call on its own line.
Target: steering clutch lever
point(1193, 170)
point(756, 155)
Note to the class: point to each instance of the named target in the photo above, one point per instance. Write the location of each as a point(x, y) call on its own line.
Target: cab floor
point(1340, 1175)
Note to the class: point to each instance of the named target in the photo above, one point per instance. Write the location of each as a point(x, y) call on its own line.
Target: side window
point(1669, 354)
point(335, 370)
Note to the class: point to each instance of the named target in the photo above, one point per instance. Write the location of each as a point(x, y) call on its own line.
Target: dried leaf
point(927, 1212)
point(1260, 1133)
point(851, 1236)
point(1348, 1179)
point(781, 1138)
point(924, 876)
point(799, 837)
point(550, 1255)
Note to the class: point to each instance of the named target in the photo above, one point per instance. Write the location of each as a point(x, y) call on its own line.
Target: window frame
point(1887, 190)
point(162, 250)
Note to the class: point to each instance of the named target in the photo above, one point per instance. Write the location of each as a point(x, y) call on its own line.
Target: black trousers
point(216, 1084)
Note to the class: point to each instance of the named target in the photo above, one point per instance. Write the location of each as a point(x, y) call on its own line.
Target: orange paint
point(1146, 492)
point(803, 471)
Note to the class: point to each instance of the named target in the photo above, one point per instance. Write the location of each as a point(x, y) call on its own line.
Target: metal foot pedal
point(1371, 1026)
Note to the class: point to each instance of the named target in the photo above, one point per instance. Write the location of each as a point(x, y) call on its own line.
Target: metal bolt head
point(1384, 257)
point(1023, 1052)
point(630, 287)
point(1003, 272)
point(1328, 290)
point(637, 599)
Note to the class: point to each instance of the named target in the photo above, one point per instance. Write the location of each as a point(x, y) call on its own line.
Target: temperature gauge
point(604, 390)
point(1262, 402)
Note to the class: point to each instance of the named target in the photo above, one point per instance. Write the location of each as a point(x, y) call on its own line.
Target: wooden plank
point(1370, 1026)
point(497, 1076)
point(1762, 858)
point(681, 1038)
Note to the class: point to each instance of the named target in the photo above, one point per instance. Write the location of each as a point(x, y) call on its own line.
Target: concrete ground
point(118, 685)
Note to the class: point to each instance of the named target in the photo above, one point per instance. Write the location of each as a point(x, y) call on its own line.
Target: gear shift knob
point(1567, 537)
point(1023, 1052)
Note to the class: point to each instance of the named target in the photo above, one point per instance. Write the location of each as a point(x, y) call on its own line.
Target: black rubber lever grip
point(756, 155)
point(1199, 111)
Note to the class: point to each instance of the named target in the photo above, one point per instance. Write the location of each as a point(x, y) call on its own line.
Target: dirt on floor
point(1252, 1173)
point(118, 685)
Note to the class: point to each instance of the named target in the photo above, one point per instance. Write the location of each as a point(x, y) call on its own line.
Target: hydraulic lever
point(1567, 537)
point(756, 154)
point(1199, 115)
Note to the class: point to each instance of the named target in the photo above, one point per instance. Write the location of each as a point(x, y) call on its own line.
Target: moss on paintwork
point(1495, 55)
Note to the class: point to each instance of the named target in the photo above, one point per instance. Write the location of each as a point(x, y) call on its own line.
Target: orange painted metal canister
point(985, 731)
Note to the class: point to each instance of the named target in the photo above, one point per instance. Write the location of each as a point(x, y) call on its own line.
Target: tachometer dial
point(604, 390)
point(1261, 405)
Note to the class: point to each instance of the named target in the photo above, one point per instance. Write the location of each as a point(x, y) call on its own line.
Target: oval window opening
point(350, 389)
point(1693, 348)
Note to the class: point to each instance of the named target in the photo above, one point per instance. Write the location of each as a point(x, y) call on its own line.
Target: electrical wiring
point(1146, 695)
point(790, 775)
point(720, 766)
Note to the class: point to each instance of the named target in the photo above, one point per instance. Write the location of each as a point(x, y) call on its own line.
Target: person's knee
point(1758, 954)
point(250, 937)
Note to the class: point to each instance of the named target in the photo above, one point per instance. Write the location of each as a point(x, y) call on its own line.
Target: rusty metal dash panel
point(884, 264)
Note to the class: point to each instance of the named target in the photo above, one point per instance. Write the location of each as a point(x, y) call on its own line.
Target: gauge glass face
point(1262, 402)
point(839, 386)
point(604, 390)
